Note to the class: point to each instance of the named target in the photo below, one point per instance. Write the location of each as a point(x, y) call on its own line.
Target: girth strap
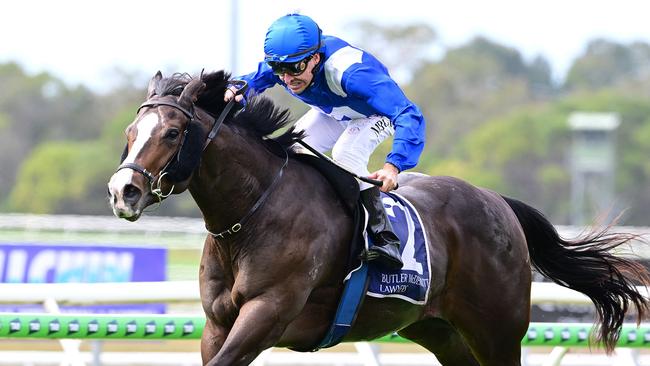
point(260, 201)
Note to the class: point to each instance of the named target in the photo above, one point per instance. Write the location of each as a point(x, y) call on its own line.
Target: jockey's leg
point(385, 249)
point(321, 131)
point(352, 150)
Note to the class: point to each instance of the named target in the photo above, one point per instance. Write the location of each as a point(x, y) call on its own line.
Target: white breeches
point(352, 142)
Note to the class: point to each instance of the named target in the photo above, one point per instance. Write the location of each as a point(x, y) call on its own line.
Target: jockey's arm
point(384, 95)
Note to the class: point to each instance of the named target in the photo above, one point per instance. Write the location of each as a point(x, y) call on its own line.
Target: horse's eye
point(171, 134)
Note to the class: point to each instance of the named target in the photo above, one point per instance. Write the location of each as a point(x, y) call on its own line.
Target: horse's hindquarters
point(481, 273)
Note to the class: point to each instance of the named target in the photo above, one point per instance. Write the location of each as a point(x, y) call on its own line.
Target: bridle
point(156, 190)
point(218, 122)
point(154, 183)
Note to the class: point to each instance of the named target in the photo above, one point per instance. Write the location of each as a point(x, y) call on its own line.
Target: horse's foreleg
point(259, 325)
point(212, 340)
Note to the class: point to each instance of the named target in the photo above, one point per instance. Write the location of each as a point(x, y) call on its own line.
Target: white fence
point(85, 223)
point(159, 226)
point(187, 291)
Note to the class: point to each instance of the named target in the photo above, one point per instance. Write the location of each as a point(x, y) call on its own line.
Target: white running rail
point(188, 291)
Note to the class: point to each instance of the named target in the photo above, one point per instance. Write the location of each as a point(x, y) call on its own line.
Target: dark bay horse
point(273, 266)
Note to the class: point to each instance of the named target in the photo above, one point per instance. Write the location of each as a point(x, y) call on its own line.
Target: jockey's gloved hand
point(236, 89)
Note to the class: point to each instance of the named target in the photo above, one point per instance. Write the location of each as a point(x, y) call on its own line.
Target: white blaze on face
point(123, 177)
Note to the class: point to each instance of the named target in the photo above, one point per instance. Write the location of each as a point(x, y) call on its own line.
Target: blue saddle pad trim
point(353, 293)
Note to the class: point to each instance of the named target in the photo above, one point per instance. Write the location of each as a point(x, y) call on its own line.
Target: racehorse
point(274, 259)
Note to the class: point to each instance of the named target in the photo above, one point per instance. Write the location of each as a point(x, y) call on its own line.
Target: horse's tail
point(587, 265)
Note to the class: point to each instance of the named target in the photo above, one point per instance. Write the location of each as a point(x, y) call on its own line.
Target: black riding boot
point(386, 244)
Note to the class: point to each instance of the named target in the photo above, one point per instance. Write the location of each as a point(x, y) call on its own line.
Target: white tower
point(593, 164)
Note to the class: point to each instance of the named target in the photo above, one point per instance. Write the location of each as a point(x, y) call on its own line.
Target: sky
point(84, 42)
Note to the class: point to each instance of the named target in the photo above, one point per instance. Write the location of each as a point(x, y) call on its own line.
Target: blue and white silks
point(351, 84)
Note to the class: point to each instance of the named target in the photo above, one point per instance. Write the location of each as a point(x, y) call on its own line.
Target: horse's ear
point(151, 90)
point(191, 92)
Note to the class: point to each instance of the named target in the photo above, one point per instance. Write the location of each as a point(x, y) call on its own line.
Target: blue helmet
point(291, 38)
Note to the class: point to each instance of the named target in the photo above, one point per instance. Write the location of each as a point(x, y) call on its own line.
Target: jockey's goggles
point(291, 68)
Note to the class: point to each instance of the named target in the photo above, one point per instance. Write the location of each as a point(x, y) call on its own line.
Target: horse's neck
point(235, 171)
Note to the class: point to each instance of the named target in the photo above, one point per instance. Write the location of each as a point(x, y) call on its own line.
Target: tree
point(606, 63)
point(41, 108)
point(522, 154)
point(402, 48)
point(472, 84)
point(62, 177)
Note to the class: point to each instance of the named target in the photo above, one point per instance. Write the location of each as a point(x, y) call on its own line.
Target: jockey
point(355, 106)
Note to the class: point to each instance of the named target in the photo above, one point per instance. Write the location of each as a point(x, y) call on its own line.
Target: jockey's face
point(298, 83)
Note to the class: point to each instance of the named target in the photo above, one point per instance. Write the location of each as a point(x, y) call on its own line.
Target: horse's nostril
point(131, 193)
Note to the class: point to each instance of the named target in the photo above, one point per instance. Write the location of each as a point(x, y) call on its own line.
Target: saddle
point(410, 284)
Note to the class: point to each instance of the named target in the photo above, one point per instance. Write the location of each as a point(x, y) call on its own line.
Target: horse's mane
point(260, 118)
